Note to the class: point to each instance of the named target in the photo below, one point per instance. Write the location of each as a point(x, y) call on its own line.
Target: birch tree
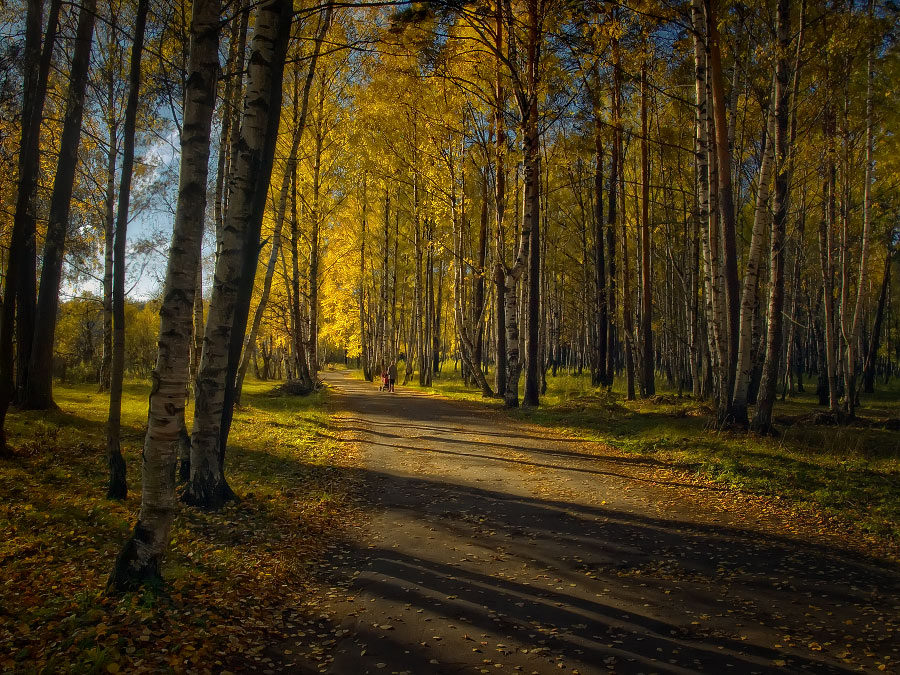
point(236, 261)
point(141, 557)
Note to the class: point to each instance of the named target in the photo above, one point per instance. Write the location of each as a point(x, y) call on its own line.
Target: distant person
point(392, 376)
point(384, 380)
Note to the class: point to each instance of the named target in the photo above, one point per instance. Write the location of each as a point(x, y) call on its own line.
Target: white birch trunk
point(751, 277)
point(141, 557)
point(249, 176)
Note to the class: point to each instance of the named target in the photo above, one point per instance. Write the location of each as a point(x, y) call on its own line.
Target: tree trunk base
point(738, 415)
point(37, 403)
point(764, 428)
point(136, 566)
point(208, 495)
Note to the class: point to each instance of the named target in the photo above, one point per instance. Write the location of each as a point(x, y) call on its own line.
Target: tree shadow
point(638, 589)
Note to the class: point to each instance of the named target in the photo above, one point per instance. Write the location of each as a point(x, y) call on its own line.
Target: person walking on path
point(392, 375)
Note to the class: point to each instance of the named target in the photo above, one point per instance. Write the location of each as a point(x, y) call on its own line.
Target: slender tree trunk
point(500, 346)
point(236, 263)
point(140, 559)
point(39, 386)
point(478, 295)
point(725, 197)
point(826, 249)
point(751, 277)
point(109, 227)
point(298, 344)
point(315, 216)
point(117, 488)
point(231, 111)
point(598, 366)
point(611, 219)
point(875, 338)
point(648, 386)
point(363, 346)
point(529, 235)
point(852, 331)
point(765, 400)
point(20, 291)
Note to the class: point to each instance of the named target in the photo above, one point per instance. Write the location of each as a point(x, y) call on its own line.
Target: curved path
point(494, 547)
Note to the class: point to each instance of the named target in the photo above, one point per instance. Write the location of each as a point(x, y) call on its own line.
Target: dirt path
point(497, 549)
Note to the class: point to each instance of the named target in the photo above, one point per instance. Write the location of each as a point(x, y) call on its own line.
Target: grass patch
point(235, 580)
point(850, 473)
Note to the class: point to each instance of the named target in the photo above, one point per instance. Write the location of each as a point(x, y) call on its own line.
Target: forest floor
point(498, 545)
point(234, 580)
point(409, 533)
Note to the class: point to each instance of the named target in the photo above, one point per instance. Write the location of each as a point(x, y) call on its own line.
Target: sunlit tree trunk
point(530, 233)
point(501, 366)
point(301, 107)
point(236, 263)
point(231, 111)
point(298, 344)
point(39, 385)
point(314, 236)
point(140, 559)
point(363, 343)
point(117, 488)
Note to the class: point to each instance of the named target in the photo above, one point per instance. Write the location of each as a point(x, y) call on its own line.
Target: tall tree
point(117, 488)
point(648, 362)
point(39, 385)
point(140, 559)
point(238, 250)
point(762, 421)
point(17, 316)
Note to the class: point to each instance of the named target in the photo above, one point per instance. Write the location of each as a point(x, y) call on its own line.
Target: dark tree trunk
point(39, 385)
point(598, 367)
point(117, 488)
point(20, 270)
point(875, 338)
point(648, 386)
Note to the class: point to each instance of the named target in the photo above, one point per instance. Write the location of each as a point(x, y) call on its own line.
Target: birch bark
point(140, 559)
point(236, 263)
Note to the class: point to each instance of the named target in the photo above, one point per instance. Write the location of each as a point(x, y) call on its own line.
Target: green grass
point(227, 574)
point(851, 473)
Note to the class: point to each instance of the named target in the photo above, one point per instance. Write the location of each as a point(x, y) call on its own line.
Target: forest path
point(493, 546)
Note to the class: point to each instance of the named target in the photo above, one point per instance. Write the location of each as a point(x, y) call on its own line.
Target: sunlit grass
point(59, 535)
